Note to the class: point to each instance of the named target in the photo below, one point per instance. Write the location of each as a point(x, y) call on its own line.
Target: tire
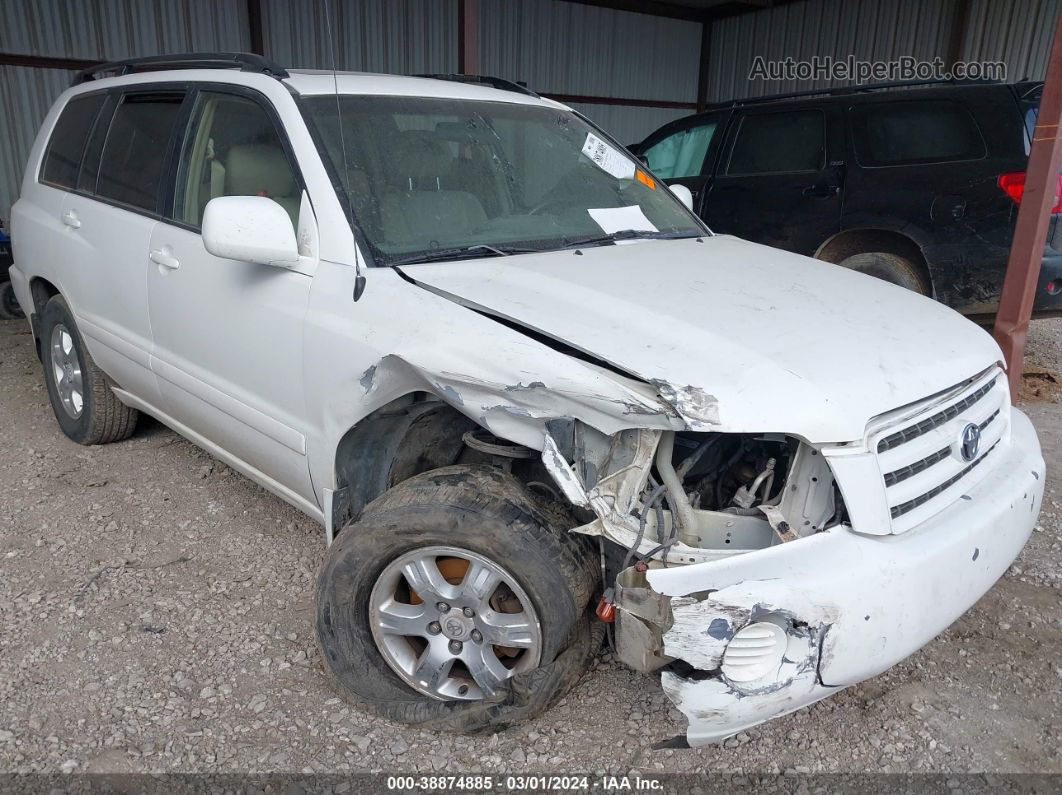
point(101, 417)
point(890, 268)
point(480, 511)
point(9, 307)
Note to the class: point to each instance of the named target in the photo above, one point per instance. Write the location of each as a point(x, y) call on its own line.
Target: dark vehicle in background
point(9, 308)
point(917, 184)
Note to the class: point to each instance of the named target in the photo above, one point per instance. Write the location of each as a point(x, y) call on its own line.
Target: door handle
point(70, 219)
point(820, 191)
point(164, 260)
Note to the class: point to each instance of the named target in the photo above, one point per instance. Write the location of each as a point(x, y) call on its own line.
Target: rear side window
point(778, 143)
point(681, 154)
point(71, 133)
point(913, 132)
point(131, 166)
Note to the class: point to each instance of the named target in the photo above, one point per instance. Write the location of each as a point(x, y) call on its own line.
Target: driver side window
point(233, 149)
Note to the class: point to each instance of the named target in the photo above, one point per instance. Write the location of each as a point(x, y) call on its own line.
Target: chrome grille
point(919, 449)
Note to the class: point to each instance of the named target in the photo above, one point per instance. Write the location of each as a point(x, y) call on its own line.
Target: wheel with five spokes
point(81, 397)
point(458, 600)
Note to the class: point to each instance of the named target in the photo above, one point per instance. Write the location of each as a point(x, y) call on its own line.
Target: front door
point(683, 152)
point(228, 334)
point(780, 179)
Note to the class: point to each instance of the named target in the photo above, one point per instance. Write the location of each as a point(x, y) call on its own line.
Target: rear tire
point(483, 513)
point(891, 268)
point(81, 397)
point(9, 306)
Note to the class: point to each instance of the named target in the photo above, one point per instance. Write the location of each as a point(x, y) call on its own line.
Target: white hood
point(738, 336)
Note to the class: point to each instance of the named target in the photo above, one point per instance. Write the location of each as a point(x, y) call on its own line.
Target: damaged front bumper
point(811, 617)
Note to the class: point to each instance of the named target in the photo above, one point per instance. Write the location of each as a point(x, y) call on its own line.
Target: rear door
point(684, 152)
point(108, 221)
point(780, 178)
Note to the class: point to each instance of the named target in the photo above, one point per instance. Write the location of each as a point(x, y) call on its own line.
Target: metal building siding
point(1017, 32)
point(627, 124)
point(573, 48)
point(115, 29)
point(32, 92)
point(396, 36)
point(870, 31)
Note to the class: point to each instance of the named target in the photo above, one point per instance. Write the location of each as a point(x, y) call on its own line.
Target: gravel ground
point(155, 615)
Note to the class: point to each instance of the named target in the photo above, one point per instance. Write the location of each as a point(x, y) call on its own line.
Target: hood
point(738, 337)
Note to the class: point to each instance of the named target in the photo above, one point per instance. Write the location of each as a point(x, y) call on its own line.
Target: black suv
point(917, 184)
point(9, 308)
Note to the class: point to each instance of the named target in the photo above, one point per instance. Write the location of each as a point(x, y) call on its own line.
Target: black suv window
point(915, 131)
point(63, 159)
point(775, 143)
point(131, 167)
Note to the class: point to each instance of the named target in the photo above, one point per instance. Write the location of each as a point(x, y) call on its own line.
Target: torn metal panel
point(858, 603)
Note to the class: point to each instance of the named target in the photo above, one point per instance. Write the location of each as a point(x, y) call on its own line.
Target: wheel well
point(860, 241)
point(41, 290)
point(409, 435)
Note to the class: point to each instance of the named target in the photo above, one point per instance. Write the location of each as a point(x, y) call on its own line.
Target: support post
point(1034, 217)
point(702, 75)
point(254, 25)
point(468, 36)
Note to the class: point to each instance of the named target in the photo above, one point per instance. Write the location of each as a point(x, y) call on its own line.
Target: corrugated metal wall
point(398, 36)
point(93, 29)
point(877, 30)
point(570, 48)
point(1017, 32)
point(554, 46)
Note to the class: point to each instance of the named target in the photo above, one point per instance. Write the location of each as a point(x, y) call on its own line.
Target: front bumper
point(859, 603)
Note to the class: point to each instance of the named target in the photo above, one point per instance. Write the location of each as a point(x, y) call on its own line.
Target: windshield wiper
point(626, 234)
point(461, 252)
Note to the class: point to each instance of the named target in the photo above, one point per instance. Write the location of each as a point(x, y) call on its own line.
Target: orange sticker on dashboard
point(645, 179)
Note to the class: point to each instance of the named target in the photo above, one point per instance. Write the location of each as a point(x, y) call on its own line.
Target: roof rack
point(244, 61)
point(848, 90)
point(484, 80)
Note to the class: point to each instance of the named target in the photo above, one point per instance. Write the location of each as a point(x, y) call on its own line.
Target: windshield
point(431, 178)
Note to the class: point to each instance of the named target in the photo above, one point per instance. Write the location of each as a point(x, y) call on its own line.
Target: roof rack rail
point(244, 61)
point(847, 90)
point(484, 80)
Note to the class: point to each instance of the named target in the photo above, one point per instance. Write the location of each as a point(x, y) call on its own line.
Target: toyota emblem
point(970, 442)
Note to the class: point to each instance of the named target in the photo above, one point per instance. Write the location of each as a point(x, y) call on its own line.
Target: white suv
point(518, 382)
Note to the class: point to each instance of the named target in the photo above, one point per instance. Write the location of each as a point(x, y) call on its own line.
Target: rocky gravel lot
point(155, 615)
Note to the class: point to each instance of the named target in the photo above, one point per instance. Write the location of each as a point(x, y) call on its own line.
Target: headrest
point(258, 170)
point(421, 154)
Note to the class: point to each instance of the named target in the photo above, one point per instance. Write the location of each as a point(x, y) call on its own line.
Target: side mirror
point(250, 229)
point(681, 191)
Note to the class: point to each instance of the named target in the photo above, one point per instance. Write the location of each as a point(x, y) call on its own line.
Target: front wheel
point(458, 601)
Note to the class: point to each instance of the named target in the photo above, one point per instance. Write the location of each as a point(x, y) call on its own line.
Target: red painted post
point(468, 37)
point(1034, 217)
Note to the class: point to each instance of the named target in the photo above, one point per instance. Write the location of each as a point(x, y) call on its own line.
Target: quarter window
point(775, 143)
point(682, 153)
point(63, 159)
point(131, 167)
point(912, 132)
point(233, 149)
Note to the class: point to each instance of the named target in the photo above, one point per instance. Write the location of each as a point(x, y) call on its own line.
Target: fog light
point(1053, 287)
point(754, 652)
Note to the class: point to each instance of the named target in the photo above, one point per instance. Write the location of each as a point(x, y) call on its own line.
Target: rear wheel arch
point(41, 291)
point(868, 240)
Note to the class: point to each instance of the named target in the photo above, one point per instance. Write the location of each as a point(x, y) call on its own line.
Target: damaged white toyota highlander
point(523, 388)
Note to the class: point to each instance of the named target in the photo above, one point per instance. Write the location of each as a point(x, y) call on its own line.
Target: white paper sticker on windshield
point(608, 158)
point(621, 219)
